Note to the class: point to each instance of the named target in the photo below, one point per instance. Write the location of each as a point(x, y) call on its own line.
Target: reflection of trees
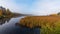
point(2, 21)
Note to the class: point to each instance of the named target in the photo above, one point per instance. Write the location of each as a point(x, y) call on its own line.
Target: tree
point(59, 13)
point(1, 13)
point(8, 12)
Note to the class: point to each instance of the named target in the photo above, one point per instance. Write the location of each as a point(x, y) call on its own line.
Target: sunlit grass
point(49, 24)
point(51, 30)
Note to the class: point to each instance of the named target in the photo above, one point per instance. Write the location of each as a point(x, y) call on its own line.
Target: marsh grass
point(49, 24)
point(51, 30)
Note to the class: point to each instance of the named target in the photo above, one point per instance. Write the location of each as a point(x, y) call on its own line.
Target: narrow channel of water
point(9, 27)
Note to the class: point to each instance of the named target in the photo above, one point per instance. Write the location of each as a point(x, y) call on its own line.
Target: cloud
point(46, 7)
point(37, 7)
point(14, 7)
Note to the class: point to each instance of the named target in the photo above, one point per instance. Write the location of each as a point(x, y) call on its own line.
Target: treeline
point(55, 14)
point(5, 12)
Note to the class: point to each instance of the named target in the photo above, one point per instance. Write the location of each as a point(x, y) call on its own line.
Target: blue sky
point(37, 7)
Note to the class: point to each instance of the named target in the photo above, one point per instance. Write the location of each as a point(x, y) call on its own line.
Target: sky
point(36, 7)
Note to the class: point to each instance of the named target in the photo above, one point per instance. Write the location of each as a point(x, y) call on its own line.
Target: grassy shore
point(48, 24)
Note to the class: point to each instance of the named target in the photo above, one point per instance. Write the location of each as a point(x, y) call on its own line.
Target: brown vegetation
point(54, 15)
point(5, 12)
point(1, 12)
point(33, 21)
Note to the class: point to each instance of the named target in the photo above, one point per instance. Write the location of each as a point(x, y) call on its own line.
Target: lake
point(8, 26)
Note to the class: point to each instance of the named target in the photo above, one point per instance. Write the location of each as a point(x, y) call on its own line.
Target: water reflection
point(4, 20)
point(27, 30)
point(12, 28)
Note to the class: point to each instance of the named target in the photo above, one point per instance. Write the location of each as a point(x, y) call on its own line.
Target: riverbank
point(48, 24)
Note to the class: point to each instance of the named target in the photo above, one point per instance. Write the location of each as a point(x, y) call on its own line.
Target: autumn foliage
point(5, 13)
point(1, 12)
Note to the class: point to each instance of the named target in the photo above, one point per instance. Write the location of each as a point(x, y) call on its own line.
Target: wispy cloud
point(45, 7)
point(13, 6)
point(38, 7)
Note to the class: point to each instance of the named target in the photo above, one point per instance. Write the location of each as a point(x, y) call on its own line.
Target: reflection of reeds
point(48, 24)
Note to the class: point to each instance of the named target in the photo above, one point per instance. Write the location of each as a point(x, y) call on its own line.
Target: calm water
point(10, 27)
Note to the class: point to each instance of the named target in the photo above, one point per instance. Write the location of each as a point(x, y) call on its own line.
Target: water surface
point(8, 26)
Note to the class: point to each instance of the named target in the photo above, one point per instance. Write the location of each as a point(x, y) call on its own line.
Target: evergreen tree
point(8, 12)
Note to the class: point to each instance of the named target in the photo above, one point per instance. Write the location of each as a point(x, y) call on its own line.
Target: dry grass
point(32, 21)
point(49, 24)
